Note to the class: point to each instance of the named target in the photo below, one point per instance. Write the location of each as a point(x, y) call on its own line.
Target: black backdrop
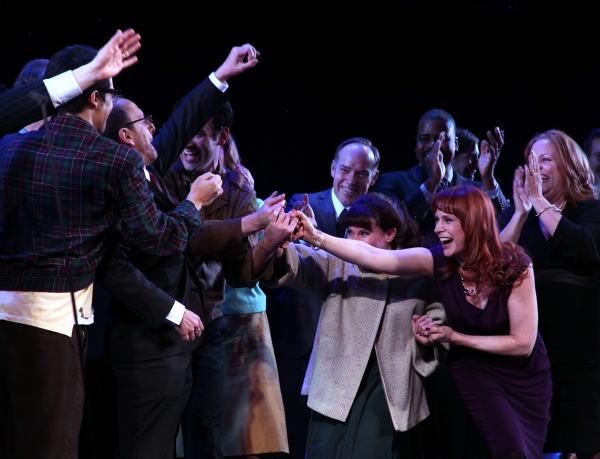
point(329, 71)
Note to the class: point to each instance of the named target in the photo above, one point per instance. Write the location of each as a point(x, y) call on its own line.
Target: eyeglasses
point(147, 119)
point(116, 93)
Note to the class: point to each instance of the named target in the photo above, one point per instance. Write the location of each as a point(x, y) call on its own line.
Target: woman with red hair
point(497, 357)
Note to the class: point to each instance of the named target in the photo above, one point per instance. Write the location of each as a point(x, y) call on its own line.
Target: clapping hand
point(522, 203)
point(437, 168)
point(304, 207)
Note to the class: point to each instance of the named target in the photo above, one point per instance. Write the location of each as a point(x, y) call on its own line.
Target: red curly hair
point(491, 262)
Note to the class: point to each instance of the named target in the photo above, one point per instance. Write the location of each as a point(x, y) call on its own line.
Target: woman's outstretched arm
point(417, 261)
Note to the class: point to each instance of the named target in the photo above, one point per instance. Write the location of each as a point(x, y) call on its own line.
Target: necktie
point(341, 231)
point(154, 180)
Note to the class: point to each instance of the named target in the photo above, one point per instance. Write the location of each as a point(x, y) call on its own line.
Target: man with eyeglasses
point(149, 354)
point(101, 188)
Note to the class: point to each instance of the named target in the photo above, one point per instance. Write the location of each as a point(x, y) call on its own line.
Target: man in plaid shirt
point(102, 188)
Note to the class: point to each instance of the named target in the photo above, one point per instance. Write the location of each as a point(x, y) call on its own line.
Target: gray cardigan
point(356, 304)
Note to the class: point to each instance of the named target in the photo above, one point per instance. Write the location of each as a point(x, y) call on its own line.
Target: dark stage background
point(329, 71)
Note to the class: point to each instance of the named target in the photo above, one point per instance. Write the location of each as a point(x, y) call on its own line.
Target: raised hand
point(304, 207)
point(118, 53)
point(240, 59)
point(205, 189)
point(496, 139)
point(522, 203)
point(488, 158)
point(489, 153)
point(190, 327)
point(533, 180)
point(269, 211)
point(437, 168)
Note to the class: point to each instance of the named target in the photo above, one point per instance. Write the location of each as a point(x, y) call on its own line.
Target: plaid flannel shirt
point(102, 188)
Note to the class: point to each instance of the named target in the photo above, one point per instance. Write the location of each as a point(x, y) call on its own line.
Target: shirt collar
point(337, 205)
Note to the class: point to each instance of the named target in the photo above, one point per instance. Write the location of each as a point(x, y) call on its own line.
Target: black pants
point(201, 421)
point(152, 395)
point(41, 392)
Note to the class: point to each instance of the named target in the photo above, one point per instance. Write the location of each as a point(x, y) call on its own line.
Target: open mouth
point(544, 178)
point(446, 240)
point(189, 155)
point(348, 190)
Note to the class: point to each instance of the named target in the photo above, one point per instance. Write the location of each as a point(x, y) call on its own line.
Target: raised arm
point(417, 261)
point(523, 317)
point(17, 109)
point(512, 230)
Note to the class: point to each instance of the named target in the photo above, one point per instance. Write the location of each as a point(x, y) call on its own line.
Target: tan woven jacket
point(355, 303)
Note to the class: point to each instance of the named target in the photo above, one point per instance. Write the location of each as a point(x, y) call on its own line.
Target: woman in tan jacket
point(364, 380)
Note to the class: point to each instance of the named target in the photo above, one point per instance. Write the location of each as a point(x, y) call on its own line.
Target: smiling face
point(141, 132)
point(353, 172)
point(465, 163)
point(428, 132)
point(375, 237)
point(552, 171)
point(451, 234)
point(201, 154)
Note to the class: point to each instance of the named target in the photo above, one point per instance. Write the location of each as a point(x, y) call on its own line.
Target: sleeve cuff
point(220, 86)
point(176, 314)
point(426, 193)
point(493, 194)
point(62, 88)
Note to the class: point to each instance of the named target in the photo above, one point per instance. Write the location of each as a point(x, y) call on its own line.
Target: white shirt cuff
point(62, 88)
point(176, 314)
point(492, 194)
point(426, 193)
point(220, 86)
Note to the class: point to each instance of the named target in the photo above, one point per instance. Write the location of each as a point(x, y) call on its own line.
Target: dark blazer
point(17, 109)
point(144, 288)
point(322, 206)
point(405, 185)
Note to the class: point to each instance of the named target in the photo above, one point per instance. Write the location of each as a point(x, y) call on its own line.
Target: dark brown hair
point(386, 213)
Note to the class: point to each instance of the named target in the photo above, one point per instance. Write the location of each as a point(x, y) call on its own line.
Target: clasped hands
point(427, 332)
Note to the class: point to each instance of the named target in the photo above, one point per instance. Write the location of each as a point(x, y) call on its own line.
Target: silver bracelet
point(545, 209)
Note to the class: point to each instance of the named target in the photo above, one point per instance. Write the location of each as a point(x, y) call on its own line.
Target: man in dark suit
point(157, 309)
point(294, 315)
point(435, 148)
point(18, 109)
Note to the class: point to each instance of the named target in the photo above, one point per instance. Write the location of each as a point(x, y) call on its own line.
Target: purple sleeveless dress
point(508, 397)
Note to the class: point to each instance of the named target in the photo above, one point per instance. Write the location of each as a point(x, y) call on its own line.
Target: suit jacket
point(234, 266)
point(294, 314)
point(17, 109)
point(362, 309)
point(405, 185)
point(322, 206)
point(144, 288)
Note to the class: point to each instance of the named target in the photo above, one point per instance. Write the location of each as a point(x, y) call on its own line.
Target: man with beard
point(435, 148)
point(202, 418)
